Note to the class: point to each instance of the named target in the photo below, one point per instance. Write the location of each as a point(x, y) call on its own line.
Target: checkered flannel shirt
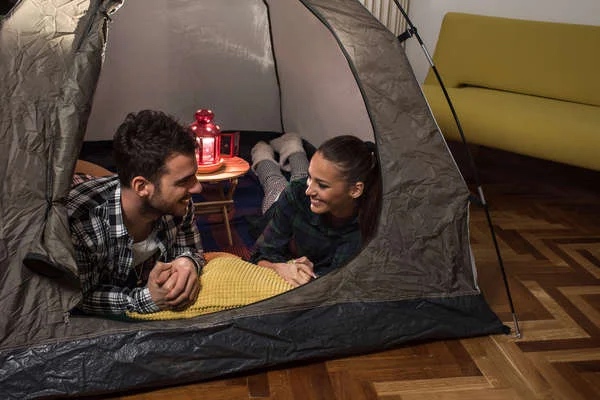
point(103, 247)
point(295, 231)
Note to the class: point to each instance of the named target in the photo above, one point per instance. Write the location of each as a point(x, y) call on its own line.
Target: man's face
point(176, 187)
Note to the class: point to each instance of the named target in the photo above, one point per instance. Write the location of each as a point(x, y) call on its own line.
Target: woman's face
point(328, 191)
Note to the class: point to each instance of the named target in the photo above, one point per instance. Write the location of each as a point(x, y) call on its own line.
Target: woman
point(318, 224)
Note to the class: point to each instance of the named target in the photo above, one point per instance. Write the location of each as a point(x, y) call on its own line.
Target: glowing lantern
point(208, 152)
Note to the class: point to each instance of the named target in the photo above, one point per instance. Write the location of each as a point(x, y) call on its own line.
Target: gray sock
point(272, 181)
point(298, 165)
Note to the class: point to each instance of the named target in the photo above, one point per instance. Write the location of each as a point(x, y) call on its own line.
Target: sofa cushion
point(547, 59)
point(540, 127)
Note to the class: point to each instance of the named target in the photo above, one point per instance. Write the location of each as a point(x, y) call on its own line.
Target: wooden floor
point(547, 222)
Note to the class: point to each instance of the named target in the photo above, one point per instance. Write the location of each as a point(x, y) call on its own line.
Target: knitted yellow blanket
point(226, 282)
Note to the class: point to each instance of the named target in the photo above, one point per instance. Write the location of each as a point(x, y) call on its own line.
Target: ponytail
point(370, 202)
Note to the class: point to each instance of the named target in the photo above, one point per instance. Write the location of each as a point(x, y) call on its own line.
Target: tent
point(69, 70)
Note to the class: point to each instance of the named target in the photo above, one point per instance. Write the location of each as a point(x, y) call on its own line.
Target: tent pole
point(412, 31)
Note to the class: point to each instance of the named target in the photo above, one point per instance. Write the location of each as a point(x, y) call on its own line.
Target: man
point(136, 244)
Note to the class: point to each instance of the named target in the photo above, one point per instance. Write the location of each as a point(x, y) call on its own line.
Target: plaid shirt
point(295, 231)
point(103, 248)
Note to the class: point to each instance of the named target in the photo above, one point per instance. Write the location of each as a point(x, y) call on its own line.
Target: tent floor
point(547, 221)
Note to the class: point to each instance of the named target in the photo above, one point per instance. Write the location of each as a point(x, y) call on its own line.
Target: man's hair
point(145, 141)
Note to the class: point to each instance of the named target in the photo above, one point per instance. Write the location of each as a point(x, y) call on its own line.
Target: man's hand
point(296, 272)
point(174, 285)
point(183, 284)
point(157, 278)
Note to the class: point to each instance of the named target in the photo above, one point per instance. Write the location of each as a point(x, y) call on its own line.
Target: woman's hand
point(296, 272)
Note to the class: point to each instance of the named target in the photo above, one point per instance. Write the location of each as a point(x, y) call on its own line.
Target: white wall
point(427, 15)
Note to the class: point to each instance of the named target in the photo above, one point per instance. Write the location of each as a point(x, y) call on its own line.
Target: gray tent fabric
point(416, 280)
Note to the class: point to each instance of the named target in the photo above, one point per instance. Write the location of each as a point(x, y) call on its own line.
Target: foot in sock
point(286, 145)
point(260, 152)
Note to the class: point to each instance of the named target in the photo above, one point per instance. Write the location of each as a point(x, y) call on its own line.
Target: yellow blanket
point(226, 282)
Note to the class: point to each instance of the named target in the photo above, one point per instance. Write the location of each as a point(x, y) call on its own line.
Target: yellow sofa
point(528, 87)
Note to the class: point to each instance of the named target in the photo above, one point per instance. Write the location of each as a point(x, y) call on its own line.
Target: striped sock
point(298, 165)
point(272, 181)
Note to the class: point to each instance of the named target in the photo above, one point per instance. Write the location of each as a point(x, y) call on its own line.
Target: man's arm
point(182, 242)
point(113, 300)
point(100, 289)
point(188, 242)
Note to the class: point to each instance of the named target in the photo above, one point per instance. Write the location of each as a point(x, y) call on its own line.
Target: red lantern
point(230, 144)
point(208, 152)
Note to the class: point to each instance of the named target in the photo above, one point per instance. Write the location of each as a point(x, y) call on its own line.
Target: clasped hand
point(296, 272)
point(174, 285)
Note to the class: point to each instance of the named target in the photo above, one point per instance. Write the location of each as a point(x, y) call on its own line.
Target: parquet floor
point(547, 222)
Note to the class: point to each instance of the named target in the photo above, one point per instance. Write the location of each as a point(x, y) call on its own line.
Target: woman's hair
point(144, 142)
point(357, 162)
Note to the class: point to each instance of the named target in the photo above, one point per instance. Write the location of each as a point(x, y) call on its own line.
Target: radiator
point(388, 14)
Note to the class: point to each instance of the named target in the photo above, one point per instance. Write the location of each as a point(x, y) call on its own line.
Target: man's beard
point(155, 211)
point(156, 208)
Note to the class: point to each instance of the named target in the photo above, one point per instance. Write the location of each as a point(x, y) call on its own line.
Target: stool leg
point(227, 227)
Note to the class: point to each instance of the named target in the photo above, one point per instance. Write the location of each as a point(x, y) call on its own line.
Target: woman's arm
point(295, 272)
point(272, 248)
point(274, 243)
